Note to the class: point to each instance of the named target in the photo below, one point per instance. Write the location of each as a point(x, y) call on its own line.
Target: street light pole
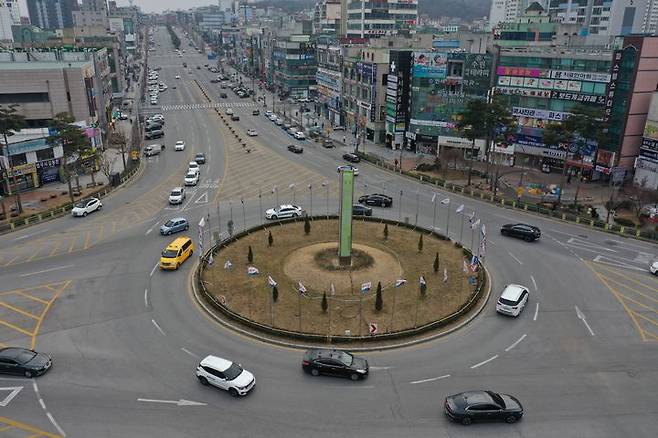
point(326, 186)
point(310, 194)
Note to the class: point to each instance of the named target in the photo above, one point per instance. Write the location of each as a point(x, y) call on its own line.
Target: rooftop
point(42, 65)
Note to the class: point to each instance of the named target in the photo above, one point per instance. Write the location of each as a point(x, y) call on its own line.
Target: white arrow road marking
point(581, 316)
point(181, 402)
point(430, 380)
point(516, 343)
point(484, 362)
point(13, 392)
point(586, 244)
point(380, 368)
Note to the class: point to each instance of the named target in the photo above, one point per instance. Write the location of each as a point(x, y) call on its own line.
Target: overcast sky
point(150, 5)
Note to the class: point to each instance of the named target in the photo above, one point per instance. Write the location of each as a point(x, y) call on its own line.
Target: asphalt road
point(581, 357)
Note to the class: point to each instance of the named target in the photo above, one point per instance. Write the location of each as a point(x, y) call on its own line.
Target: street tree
point(379, 302)
point(436, 263)
point(270, 239)
point(420, 243)
point(307, 225)
point(557, 136)
point(385, 231)
point(250, 255)
point(10, 122)
point(325, 304)
point(74, 144)
point(118, 140)
point(275, 294)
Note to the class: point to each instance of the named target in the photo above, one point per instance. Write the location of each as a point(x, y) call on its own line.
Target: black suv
point(352, 158)
point(523, 231)
point(334, 363)
point(376, 199)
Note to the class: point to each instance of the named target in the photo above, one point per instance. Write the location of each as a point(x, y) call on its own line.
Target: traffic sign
point(373, 328)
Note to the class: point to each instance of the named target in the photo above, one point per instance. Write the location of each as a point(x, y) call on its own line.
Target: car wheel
point(511, 419)
point(354, 377)
point(233, 392)
point(315, 372)
point(295, 215)
point(168, 233)
point(503, 232)
point(28, 374)
point(203, 381)
point(177, 265)
point(100, 207)
point(466, 421)
point(84, 214)
point(274, 217)
point(527, 239)
point(187, 227)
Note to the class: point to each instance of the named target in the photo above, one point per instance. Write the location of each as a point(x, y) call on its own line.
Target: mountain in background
point(465, 9)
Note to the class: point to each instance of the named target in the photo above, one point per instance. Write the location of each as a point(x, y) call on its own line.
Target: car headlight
point(361, 371)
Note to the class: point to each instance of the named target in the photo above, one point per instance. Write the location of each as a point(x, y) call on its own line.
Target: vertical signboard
point(345, 230)
point(612, 86)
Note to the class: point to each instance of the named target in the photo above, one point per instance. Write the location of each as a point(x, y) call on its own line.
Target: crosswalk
point(199, 106)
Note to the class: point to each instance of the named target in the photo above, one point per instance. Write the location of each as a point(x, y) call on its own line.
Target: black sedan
point(295, 149)
point(200, 158)
point(467, 407)
point(522, 231)
point(352, 158)
point(334, 363)
point(361, 210)
point(376, 199)
point(23, 362)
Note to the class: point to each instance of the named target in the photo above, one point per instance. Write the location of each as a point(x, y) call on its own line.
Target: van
point(176, 253)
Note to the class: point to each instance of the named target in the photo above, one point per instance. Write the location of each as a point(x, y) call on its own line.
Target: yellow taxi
point(176, 253)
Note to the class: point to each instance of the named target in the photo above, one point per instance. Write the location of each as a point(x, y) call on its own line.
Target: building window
point(18, 159)
point(23, 98)
point(45, 154)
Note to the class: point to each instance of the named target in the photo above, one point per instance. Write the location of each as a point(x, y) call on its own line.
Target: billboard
point(430, 65)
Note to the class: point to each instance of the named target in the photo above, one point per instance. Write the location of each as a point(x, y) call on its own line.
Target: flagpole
point(448, 223)
point(329, 313)
point(417, 308)
point(434, 217)
point(461, 233)
point(260, 205)
point(390, 326)
point(472, 239)
point(219, 221)
point(360, 313)
point(300, 310)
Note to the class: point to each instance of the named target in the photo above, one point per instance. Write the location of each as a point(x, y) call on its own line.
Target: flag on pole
point(273, 188)
point(475, 224)
point(332, 289)
point(433, 198)
point(202, 222)
point(399, 282)
point(446, 201)
point(301, 288)
point(460, 209)
point(445, 275)
point(291, 186)
point(471, 216)
point(365, 287)
point(252, 270)
point(483, 232)
point(271, 281)
point(465, 267)
point(483, 247)
point(228, 265)
point(474, 263)
point(422, 281)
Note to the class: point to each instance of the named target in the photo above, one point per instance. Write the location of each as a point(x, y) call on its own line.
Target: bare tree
point(118, 140)
point(106, 165)
point(640, 196)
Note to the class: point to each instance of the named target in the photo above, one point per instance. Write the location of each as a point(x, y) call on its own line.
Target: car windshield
point(233, 371)
point(169, 253)
point(25, 356)
point(345, 358)
point(190, 175)
point(497, 399)
point(507, 302)
point(175, 193)
point(169, 223)
point(81, 204)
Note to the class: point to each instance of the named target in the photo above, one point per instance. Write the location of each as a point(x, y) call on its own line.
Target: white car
point(225, 375)
point(179, 146)
point(177, 77)
point(229, 111)
point(84, 207)
point(192, 178)
point(299, 135)
point(252, 132)
point(278, 121)
point(654, 268)
point(177, 195)
point(268, 113)
point(272, 117)
point(283, 212)
point(193, 166)
point(512, 300)
point(348, 167)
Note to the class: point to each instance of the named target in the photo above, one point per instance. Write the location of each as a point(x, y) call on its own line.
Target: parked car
point(179, 146)
point(214, 80)
point(191, 178)
point(226, 375)
point(327, 143)
point(352, 158)
point(291, 131)
point(653, 268)
point(156, 133)
point(339, 128)
point(376, 199)
point(177, 195)
point(255, 112)
point(283, 212)
point(229, 111)
point(200, 158)
point(467, 407)
point(252, 132)
point(23, 362)
point(512, 300)
point(278, 122)
point(152, 149)
point(299, 135)
point(86, 206)
point(174, 225)
point(334, 363)
point(361, 210)
point(295, 149)
point(348, 167)
point(526, 232)
point(223, 95)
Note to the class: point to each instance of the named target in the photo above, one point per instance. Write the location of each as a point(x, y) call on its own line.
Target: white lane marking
point(616, 263)
point(516, 343)
point(158, 327)
point(30, 235)
point(430, 380)
point(188, 202)
point(185, 350)
point(181, 402)
point(52, 420)
point(13, 392)
point(59, 268)
point(146, 297)
point(534, 283)
point(153, 270)
point(43, 405)
point(375, 368)
point(514, 257)
point(534, 318)
point(581, 316)
point(484, 362)
point(152, 227)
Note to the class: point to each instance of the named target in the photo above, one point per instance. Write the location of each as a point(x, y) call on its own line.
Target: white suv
point(180, 145)
point(284, 211)
point(177, 195)
point(512, 300)
point(192, 178)
point(225, 375)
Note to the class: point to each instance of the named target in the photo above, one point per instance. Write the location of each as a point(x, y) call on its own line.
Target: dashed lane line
point(433, 379)
point(517, 342)
point(477, 365)
point(157, 326)
point(534, 318)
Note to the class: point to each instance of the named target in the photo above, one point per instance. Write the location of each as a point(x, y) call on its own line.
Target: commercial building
point(366, 19)
point(5, 23)
point(294, 65)
point(52, 14)
point(14, 10)
point(606, 18)
point(398, 94)
point(646, 165)
point(327, 18)
point(328, 79)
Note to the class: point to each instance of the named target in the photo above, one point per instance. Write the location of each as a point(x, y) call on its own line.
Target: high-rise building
point(5, 22)
point(366, 19)
point(606, 18)
point(14, 10)
point(508, 11)
point(51, 14)
point(650, 23)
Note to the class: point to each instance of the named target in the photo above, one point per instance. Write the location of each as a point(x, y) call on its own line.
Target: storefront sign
point(435, 123)
point(529, 92)
point(587, 98)
point(649, 154)
point(580, 75)
point(602, 169)
point(430, 65)
point(22, 169)
point(610, 94)
point(521, 71)
point(649, 143)
point(556, 116)
point(54, 162)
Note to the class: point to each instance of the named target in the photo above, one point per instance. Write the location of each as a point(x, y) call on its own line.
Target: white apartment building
point(5, 22)
point(367, 19)
point(605, 17)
